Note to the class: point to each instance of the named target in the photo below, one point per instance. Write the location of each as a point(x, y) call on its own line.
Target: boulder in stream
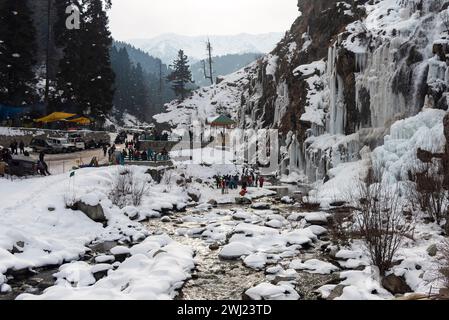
point(243, 201)
point(94, 212)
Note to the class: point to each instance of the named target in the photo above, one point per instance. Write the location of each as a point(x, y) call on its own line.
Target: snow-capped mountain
point(166, 46)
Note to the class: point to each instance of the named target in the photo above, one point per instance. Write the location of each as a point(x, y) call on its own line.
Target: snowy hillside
point(210, 101)
point(166, 46)
point(387, 64)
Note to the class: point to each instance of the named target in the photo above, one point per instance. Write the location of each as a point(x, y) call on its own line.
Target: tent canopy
point(55, 116)
point(80, 120)
point(222, 121)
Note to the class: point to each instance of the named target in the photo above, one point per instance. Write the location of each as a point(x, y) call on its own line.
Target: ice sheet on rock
point(398, 155)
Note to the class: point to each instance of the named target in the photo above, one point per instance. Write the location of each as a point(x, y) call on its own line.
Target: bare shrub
point(126, 189)
point(429, 194)
point(167, 180)
point(380, 221)
point(138, 190)
point(340, 228)
point(310, 203)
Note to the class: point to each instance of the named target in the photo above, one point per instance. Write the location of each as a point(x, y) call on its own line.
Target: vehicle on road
point(21, 166)
point(41, 145)
point(62, 145)
point(52, 145)
point(91, 144)
point(76, 140)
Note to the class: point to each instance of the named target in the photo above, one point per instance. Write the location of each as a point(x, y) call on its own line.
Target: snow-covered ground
point(157, 267)
point(36, 228)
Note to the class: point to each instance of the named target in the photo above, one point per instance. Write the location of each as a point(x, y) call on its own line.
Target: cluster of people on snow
point(6, 156)
point(248, 178)
point(17, 147)
point(131, 152)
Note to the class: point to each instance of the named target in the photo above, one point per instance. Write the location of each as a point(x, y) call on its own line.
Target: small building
point(223, 122)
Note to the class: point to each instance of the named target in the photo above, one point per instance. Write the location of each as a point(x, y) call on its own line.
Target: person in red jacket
point(261, 181)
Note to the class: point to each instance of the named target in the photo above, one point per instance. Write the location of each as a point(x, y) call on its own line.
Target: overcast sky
point(149, 18)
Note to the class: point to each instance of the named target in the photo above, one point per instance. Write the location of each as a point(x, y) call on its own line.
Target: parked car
point(52, 145)
point(41, 145)
point(21, 166)
point(61, 145)
point(77, 141)
point(91, 144)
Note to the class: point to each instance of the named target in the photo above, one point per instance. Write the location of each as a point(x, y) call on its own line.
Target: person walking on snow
point(43, 164)
point(261, 181)
point(223, 186)
point(22, 147)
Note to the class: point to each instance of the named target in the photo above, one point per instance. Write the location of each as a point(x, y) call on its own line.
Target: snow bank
point(153, 274)
point(35, 222)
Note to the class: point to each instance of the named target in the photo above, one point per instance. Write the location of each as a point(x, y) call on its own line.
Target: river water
point(217, 279)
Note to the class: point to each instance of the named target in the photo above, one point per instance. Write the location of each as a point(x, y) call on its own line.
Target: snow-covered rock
point(268, 291)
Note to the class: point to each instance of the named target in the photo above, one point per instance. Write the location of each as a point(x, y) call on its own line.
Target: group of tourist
point(251, 179)
point(247, 179)
point(145, 155)
point(17, 147)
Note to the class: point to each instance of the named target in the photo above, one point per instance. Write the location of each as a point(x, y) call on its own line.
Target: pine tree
point(132, 86)
point(140, 92)
point(17, 49)
point(69, 77)
point(85, 81)
point(121, 65)
point(96, 90)
point(181, 77)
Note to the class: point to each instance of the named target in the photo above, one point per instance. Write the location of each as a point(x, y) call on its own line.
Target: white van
point(76, 140)
point(61, 145)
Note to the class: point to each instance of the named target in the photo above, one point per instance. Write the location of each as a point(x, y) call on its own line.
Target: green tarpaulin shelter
point(223, 121)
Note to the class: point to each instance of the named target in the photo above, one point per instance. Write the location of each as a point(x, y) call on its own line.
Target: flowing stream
point(217, 279)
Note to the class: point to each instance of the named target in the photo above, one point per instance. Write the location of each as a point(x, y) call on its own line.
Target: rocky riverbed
point(221, 273)
point(273, 248)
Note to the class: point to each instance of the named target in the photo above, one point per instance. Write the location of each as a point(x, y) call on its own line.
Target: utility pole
point(47, 62)
point(160, 82)
point(209, 76)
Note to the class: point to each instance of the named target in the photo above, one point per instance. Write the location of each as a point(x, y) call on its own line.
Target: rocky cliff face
point(343, 74)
